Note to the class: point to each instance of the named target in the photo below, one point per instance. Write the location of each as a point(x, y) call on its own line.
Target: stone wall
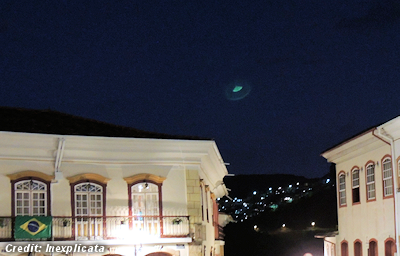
point(194, 210)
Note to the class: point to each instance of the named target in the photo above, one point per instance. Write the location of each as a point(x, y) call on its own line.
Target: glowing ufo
point(237, 90)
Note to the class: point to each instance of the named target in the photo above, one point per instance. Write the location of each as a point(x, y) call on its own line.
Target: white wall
point(174, 192)
point(367, 220)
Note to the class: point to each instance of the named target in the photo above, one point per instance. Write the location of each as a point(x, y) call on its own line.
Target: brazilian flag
point(32, 227)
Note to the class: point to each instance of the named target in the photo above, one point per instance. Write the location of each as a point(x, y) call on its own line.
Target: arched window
point(370, 181)
point(30, 193)
point(357, 248)
point(342, 189)
point(344, 249)
point(88, 199)
point(145, 202)
point(145, 199)
point(373, 248)
point(356, 185)
point(88, 208)
point(30, 198)
point(387, 178)
point(390, 247)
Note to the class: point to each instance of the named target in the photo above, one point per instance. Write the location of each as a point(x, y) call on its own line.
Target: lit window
point(387, 178)
point(356, 186)
point(370, 182)
point(145, 202)
point(342, 189)
point(89, 201)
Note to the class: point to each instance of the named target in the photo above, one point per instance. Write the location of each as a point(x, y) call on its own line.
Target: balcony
point(221, 234)
point(107, 227)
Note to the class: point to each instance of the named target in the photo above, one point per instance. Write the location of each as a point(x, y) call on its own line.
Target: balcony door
point(88, 211)
point(145, 208)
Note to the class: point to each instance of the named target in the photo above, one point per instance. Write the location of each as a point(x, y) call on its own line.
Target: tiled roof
point(54, 122)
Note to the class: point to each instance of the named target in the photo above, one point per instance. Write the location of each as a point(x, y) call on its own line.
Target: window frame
point(76, 180)
point(207, 191)
point(376, 252)
point(202, 199)
point(89, 200)
point(13, 193)
point(340, 190)
point(158, 217)
point(47, 193)
point(385, 159)
point(30, 175)
point(149, 178)
point(358, 241)
point(368, 184)
point(355, 188)
point(344, 248)
point(104, 191)
point(390, 242)
point(158, 196)
point(130, 203)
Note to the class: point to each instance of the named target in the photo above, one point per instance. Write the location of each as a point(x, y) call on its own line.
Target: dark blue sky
point(319, 71)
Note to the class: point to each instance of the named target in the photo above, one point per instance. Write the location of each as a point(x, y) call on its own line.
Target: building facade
point(129, 196)
point(367, 171)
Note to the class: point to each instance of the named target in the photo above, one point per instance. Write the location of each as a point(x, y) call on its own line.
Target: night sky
point(275, 83)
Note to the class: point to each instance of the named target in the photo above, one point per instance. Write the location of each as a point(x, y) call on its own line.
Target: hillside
point(243, 185)
point(285, 228)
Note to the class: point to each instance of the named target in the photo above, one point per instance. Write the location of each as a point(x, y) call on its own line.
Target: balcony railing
point(107, 227)
point(221, 234)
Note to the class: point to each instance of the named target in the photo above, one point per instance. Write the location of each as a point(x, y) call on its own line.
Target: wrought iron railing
point(107, 227)
point(221, 234)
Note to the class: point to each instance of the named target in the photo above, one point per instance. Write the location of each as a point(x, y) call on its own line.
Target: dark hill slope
point(243, 185)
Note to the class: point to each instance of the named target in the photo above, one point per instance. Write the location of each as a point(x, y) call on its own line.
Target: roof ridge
point(55, 122)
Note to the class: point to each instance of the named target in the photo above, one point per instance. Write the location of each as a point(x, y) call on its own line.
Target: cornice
point(144, 177)
point(88, 176)
point(32, 174)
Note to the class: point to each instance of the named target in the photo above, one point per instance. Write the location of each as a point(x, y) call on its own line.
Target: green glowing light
point(237, 88)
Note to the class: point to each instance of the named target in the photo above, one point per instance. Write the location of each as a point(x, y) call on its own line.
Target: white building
point(133, 192)
point(367, 170)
